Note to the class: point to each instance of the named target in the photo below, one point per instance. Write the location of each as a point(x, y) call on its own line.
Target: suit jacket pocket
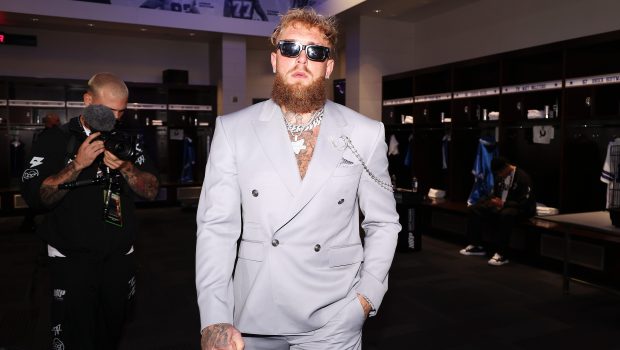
point(346, 255)
point(251, 250)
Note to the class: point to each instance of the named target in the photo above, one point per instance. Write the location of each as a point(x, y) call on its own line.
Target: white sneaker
point(498, 260)
point(472, 250)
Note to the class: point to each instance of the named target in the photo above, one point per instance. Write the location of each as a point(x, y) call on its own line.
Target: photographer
point(90, 227)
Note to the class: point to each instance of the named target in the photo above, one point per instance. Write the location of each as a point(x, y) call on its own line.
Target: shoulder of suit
point(352, 116)
point(247, 114)
point(253, 112)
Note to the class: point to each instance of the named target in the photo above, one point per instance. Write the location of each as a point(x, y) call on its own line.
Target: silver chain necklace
point(315, 120)
point(297, 129)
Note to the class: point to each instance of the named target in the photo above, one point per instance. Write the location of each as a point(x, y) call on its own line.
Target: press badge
point(112, 207)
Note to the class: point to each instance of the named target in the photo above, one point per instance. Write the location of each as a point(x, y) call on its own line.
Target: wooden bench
point(571, 245)
point(442, 211)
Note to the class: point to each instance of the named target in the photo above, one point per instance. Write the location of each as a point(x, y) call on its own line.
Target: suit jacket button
point(275, 242)
point(317, 247)
point(255, 193)
point(341, 201)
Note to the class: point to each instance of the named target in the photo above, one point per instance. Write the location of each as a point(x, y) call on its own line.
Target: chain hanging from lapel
point(376, 179)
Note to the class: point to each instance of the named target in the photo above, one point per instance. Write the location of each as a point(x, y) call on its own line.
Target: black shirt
point(75, 224)
point(520, 193)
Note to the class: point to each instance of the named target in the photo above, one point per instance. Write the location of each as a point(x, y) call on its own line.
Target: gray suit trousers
point(342, 332)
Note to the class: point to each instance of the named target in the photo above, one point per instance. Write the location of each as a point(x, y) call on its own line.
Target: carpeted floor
point(437, 299)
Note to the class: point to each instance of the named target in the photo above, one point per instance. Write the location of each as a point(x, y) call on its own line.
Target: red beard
point(297, 98)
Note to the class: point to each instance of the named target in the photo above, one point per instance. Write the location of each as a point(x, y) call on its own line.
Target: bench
point(443, 211)
point(582, 246)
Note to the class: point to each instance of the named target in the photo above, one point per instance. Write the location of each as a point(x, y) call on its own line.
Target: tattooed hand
point(87, 153)
point(142, 183)
point(221, 336)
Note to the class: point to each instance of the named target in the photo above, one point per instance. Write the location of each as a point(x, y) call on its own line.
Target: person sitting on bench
point(512, 199)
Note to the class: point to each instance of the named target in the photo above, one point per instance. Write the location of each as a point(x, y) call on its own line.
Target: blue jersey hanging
point(189, 159)
point(483, 176)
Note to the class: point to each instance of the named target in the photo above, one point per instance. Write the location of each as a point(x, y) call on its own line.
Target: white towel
point(494, 115)
point(543, 210)
point(535, 114)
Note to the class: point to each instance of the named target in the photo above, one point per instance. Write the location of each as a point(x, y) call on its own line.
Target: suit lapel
point(273, 138)
point(324, 161)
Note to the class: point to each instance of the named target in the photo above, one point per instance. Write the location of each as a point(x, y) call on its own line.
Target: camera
point(123, 145)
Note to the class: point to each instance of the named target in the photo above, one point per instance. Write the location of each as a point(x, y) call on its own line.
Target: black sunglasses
point(313, 52)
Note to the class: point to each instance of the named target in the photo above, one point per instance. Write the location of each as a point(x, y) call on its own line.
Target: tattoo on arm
point(142, 183)
point(49, 192)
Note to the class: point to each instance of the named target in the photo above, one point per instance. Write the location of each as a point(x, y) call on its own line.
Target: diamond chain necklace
point(297, 129)
point(315, 120)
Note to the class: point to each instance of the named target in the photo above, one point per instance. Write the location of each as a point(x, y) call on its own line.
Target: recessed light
point(377, 11)
point(91, 25)
point(35, 19)
point(143, 29)
point(192, 34)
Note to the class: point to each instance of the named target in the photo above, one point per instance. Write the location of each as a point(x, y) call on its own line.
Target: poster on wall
point(259, 10)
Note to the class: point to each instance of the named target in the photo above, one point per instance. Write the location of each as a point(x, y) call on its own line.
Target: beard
point(297, 98)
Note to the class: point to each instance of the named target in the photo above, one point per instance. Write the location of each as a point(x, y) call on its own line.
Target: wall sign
point(260, 10)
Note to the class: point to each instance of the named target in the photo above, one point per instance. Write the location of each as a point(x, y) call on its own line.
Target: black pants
point(90, 300)
point(499, 222)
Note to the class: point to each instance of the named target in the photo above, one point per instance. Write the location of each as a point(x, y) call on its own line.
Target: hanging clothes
point(445, 143)
point(393, 146)
point(611, 174)
point(189, 160)
point(408, 162)
point(398, 153)
point(483, 176)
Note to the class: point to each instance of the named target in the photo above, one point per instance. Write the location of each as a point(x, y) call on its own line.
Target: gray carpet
point(437, 299)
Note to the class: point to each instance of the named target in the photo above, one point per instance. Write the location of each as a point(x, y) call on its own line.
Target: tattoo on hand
point(216, 336)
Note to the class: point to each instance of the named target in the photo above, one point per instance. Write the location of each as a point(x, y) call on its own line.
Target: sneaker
point(498, 260)
point(472, 250)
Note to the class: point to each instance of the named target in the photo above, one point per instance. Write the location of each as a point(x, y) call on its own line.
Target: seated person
point(512, 199)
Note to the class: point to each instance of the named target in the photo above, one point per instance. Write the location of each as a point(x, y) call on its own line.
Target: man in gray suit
point(290, 176)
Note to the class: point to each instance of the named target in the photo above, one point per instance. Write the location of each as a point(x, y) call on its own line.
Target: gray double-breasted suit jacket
point(300, 255)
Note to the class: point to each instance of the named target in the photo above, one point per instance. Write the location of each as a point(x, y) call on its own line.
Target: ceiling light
point(192, 34)
point(91, 25)
point(35, 19)
point(143, 29)
point(377, 11)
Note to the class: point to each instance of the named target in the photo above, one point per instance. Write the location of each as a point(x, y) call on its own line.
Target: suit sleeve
point(219, 226)
point(380, 224)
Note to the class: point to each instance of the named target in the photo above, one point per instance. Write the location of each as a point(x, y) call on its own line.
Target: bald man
point(90, 228)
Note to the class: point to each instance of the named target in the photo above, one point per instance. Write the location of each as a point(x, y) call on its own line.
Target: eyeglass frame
point(305, 49)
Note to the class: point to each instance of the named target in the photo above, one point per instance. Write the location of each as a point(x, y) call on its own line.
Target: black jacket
point(75, 224)
point(520, 195)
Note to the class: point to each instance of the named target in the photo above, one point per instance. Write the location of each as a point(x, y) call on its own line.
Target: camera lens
point(121, 145)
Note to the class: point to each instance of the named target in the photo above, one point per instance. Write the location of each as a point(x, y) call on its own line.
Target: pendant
point(298, 145)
